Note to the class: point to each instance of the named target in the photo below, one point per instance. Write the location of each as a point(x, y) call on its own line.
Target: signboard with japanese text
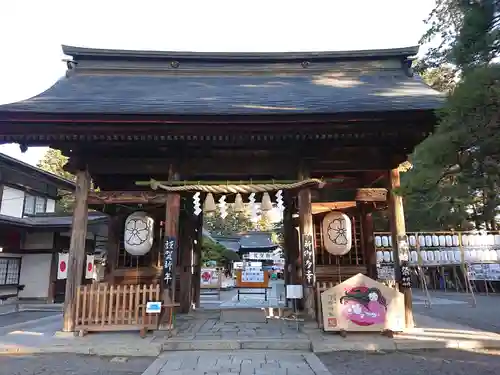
point(487, 272)
point(169, 248)
point(210, 278)
point(362, 304)
point(308, 259)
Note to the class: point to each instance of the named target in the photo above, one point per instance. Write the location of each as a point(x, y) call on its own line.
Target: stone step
point(246, 344)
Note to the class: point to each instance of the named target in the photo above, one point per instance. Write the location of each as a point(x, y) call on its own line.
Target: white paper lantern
point(413, 257)
point(421, 241)
point(385, 241)
point(387, 256)
point(448, 240)
point(412, 241)
point(442, 241)
point(139, 233)
point(337, 233)
point(378, 241)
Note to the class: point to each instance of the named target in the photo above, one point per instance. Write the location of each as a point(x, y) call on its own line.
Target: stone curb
point(189, 345)
point(151, 350)
point(402, 345)
point(29, 322)
point(316, 365)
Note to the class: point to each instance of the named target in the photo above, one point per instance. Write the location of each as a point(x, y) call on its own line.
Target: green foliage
point(233, 223)
point(454, 181)
point(53, 161)
point(213, 251)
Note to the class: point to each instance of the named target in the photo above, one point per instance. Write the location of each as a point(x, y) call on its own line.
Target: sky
point(32, 32)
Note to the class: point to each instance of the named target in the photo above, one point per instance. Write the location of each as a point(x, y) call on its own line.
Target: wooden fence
point(104, 307)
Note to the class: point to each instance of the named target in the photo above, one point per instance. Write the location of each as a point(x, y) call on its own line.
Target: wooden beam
point(273, 161)
point(359, 194)
point(398, 231)
point(76, 257)
point(126, 197)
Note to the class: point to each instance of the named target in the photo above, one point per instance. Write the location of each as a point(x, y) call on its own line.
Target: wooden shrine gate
point(189, 118)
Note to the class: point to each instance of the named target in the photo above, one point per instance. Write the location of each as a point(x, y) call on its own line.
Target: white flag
point(62, 266)
point(89, 267)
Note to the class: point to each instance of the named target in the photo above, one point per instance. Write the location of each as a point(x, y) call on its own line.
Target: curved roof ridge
point(97, 53)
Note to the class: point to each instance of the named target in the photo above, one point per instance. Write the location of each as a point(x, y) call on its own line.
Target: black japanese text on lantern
point(168, 259)
point(308, 259)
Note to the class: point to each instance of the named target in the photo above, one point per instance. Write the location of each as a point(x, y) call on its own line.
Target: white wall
point(12, 202)
point(51, 206)
point(35, 275)
point(38, 241)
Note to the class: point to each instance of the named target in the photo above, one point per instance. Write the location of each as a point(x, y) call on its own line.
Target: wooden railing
point(104, 307)
point(441, 248)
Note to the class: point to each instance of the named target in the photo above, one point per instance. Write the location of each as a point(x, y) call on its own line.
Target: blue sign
point(153, 307)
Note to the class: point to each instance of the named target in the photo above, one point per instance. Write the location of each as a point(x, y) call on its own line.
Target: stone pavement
point(429, 333)
point(235, 329)
point(242, 362)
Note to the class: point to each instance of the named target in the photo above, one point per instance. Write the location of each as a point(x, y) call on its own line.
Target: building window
point(34, 205)
point(40, 205)
point(29, 204)
point(9, 271)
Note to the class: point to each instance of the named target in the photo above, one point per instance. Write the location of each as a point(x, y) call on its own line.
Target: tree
point(214, 251)
point(53, 161)
point(233, 223)
point(455, 173)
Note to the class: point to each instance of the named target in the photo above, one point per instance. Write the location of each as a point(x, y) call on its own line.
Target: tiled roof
point(50, 221)
point(131, 82)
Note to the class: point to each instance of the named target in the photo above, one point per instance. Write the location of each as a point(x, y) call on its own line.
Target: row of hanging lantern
point(209, 205)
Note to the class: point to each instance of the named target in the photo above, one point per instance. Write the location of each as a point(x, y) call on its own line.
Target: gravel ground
point(24, 316)
point(72, 364)
point(436, 362)
point(484, 316)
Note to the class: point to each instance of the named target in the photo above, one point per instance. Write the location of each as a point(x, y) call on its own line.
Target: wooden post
point(196, 283)
point(76, 258)
point(399, 238)
point(368, 242)
point(186, 260)
point(112, 247)
point(307, 247)
point(171, 243)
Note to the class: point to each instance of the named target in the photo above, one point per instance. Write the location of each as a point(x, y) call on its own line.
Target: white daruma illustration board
point(139, 233)
point(337, 233)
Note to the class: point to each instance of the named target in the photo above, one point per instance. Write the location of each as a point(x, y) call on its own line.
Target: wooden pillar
point(368, 242)
point(197, 242)
point(112, 247)
point(171, 246)
point(186, 264)
point(76, 258)
point(399, 242)
point(307, 247)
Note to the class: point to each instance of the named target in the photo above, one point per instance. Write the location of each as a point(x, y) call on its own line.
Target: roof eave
point(93, 53)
